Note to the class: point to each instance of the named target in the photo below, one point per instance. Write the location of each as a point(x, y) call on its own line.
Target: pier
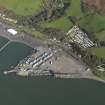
point(2, 48)
point(11, 71)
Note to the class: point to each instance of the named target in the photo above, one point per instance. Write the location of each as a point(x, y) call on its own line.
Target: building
point(101, 68)
point(76, 35)
point(12, 31)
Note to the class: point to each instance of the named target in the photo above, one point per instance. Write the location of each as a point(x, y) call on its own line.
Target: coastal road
point(21, 37)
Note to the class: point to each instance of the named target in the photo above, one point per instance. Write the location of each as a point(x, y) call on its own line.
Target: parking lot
point(62, 64)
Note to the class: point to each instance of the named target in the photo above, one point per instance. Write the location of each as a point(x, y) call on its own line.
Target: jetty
point(8, 72)
point(2, 48)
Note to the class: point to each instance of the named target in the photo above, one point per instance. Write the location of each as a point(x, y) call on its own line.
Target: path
point(20, 37)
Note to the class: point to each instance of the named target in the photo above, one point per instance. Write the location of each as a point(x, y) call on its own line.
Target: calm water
point(42, 91)
point(29, 91)
point(12, 54)
point(3, 41)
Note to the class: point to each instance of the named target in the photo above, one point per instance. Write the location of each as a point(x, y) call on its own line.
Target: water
point(32, 91)
point(12, 54)
point(3, 41)
point(43, 91)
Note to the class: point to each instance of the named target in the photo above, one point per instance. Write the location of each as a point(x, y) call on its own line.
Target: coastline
point(33, 42)
point(21, 37)
point(83, 77)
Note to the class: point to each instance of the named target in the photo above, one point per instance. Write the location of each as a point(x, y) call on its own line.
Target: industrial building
point(76, 35)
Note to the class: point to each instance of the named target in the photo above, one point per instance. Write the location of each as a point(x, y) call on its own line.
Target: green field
point(22, 7)
point(90, 21)
point(75, 9)
point(64, 23)
point(99, 52)
point(101, 35)
point(93, 23)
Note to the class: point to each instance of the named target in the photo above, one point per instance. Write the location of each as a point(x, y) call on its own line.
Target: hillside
point(73, 14)
point(99, 4)
point(21, 7)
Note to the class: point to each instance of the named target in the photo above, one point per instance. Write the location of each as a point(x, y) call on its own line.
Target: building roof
point(12, 31)
point(78, 36)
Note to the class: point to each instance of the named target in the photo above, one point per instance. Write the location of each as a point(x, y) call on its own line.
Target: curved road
point(21, 37)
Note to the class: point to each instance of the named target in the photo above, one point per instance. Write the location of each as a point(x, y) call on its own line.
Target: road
point(21, 37)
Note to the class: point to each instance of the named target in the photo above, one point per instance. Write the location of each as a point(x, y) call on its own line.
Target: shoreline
point(95, 78)
point(66, 76)
point(21, 37)
point(34, 42)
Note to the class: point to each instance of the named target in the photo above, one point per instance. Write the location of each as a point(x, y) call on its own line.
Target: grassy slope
point(36, 34)
point(22, 7)
point(100, 52)
point(101, 35)
point(75, 9)
point(93, 22)
point(63, 23)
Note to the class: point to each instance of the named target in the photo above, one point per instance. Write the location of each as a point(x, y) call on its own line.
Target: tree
point(50, 5)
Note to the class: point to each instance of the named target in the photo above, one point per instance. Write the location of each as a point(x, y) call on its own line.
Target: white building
point(76, 35)
point(12, 31)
